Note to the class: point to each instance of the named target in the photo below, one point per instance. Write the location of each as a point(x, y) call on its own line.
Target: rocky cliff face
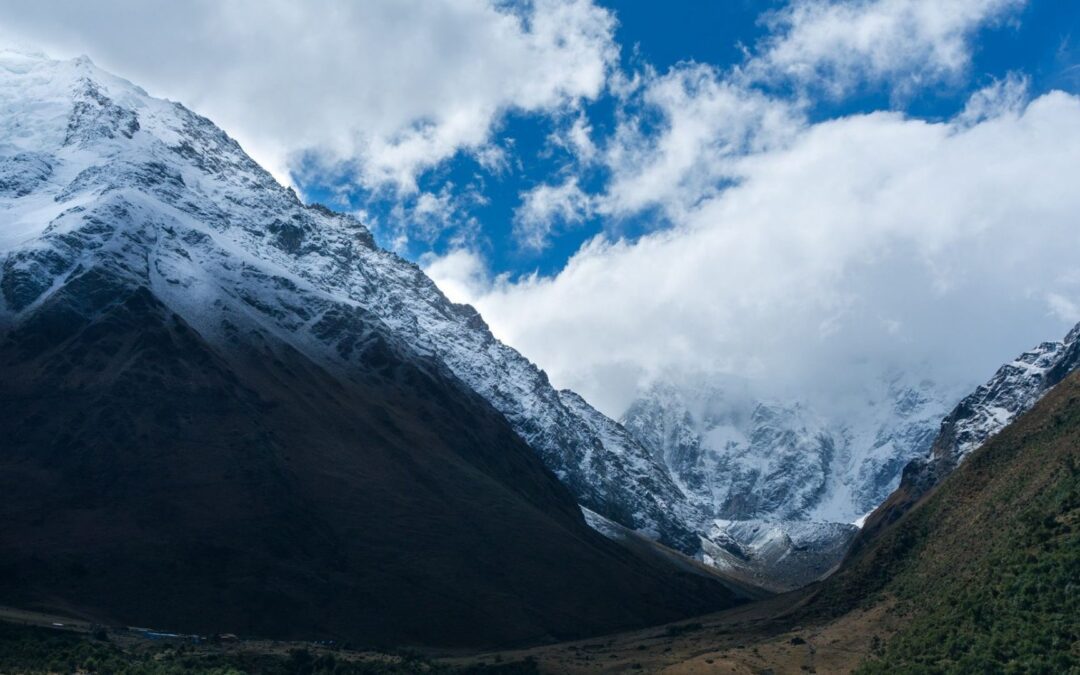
point(1013, 390)
point(781, 483)
point(95, 175)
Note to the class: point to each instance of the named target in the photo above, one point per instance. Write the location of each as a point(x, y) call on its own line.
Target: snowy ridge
point(777, 555)
point(1012, 391)
point(741, 458)
point(99, 180)
point(98, 177)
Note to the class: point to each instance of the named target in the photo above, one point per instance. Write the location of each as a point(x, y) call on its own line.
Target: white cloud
point(1002, 97)
point(493, 158)
point(461, 274)
point(799, 254)
point(813, 255)
point(709, 119)
point(1066, 309)
point(428, 216)
point(576, 138)
point(395, 86)
point(706, 123)
point(872, 241)
point(835, 45)
point(546, 207)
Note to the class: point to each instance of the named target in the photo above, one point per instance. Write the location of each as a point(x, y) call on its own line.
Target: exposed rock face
point(777, 555)
point(97, 178)
point(226, 410)
point(772, 474)
point(95, 174)
point(1013, 390)
point(782, 483)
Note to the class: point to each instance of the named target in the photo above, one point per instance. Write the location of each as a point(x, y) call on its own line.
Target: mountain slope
point(742, 456)
point(984, 567)
point(226, 411)
point(72, 133)
point(1012, 391)
point(979, 577)
point(781, 482)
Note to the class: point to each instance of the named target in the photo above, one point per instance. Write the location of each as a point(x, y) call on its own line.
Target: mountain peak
point(284, 393)
point(101, 175)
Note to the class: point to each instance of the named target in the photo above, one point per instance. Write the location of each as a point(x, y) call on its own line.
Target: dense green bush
point(1016, 611)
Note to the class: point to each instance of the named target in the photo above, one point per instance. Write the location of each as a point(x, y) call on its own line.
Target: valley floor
point(753, 639)
point(758, 638)
point(978, 577)
point(37, 643)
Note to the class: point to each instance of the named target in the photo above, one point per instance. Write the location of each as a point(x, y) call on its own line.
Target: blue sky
point(1037, 40)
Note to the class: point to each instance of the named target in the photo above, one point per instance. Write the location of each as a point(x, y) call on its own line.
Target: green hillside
point(987, 567)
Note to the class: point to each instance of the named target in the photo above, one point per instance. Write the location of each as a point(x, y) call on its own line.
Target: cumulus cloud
point(461, 274)
point(837, 45)
point(706, 122)
point(1008, 95)
point(683, 132)
point(800, 254)
point(546, 207)
point(391, 87)
point(867, 242)
point(812, 256)
point(425, 216)
point(576, 138)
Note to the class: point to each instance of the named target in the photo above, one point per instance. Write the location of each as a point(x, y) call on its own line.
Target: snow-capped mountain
point(776, 555)
point(96, 175)
point(781, 482)
point(215, 395)
point(1012, 391)
point(94, 172)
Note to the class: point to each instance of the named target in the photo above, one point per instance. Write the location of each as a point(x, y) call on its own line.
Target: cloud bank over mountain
point(867, 242)
point(811, 255)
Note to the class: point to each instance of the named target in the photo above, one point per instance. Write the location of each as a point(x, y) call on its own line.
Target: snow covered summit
point(95, 172)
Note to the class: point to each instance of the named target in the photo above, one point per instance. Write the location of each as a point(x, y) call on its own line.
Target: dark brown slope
point(149, 478)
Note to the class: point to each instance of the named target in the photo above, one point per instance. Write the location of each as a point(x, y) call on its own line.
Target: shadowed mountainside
point(147, 477)
point(223, 410)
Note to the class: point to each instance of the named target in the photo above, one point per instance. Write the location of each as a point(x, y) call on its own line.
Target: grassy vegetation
point(1018, 612)
point(988, 568)
point(38, 650)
